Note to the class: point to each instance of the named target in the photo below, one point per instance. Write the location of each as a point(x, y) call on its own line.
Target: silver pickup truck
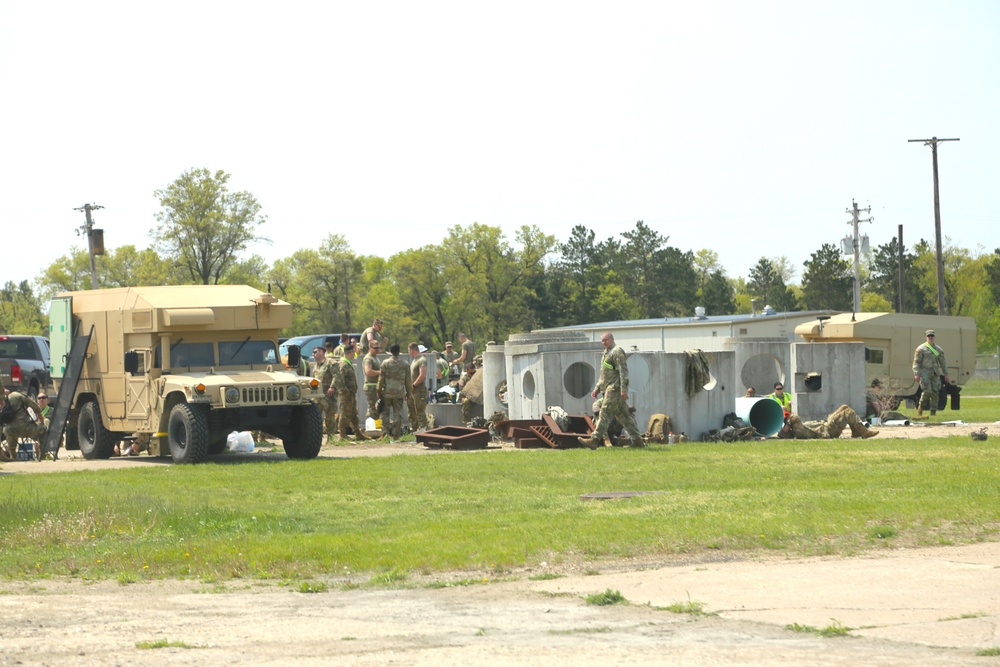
point(24, 363)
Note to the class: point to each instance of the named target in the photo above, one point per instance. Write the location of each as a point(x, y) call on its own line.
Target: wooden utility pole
point(95, 240)
point(933, 143)
point(901, 272)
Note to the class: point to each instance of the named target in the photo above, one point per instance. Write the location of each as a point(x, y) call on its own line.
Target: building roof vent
point(699, 313)
point(768, 310)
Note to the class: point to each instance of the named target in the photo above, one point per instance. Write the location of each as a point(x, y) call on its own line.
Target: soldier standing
point(346, 383)
point(393, 388)
point(929, 367)
point(323, 371)
point(450, 356)
point(372, 333)
point(613, 383)
point(827, 429)
point(468, 350)
point(417, 406)
point(370, 370)
point(23, 425)
point(338, 351)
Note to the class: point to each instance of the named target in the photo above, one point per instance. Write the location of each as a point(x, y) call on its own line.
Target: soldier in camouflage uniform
point(468, 401)
point(417, 405)
point(450, 355)
point(346, 383)
point(23, 426)
point(323, 371)
point(929, 367)
point(613, 383)
point(393, 388)
point(827, 429)
point(370, 372)
point(372, 333)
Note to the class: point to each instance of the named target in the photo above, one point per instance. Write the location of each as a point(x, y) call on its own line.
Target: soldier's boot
point(591, 443)
point(920, 411)
point(869, 433)
point(636, 442)
point(359, 435)
point(330, 439)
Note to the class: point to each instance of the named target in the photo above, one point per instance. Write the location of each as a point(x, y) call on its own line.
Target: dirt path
point(908, 607)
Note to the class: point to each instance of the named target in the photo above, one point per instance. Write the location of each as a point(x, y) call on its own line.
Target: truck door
point(137, 384)
point(60, 334)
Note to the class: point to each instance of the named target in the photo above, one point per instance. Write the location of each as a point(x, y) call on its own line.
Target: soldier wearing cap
point(394, 388)
point(450, 355)
point(371, 369)
point(417, 404)
point(372, 333)
point(929, 367)
point(346, 383)
point(324, 371)
point(827, 429)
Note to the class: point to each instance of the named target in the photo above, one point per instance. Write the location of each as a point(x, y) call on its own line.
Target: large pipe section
point(764, 414)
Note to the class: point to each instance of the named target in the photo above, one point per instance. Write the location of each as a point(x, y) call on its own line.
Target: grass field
point(386, 517)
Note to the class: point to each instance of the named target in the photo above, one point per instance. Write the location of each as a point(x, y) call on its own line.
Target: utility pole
point(855, 220)
point(899, 260)
point(95, 239)
point(933, 143)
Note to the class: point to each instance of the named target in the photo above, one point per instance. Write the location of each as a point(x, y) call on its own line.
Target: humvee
point(182, 366)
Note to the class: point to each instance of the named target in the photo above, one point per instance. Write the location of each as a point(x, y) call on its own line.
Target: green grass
point(977, 387)
point(608, 597)
point(991, 651)
point(162, 643)
point(835, 629)
point(377, 521)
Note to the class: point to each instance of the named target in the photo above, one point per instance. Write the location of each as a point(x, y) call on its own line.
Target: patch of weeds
point(882, 532)
point(691, 607)
point(162, 643)
point(581, 631)
point(348, 638)
point(975, 614)
point(991, 651)
point(126, 578)
point(591, 572)
point(349, 586)
point(313, 587)
point(835, 629)
point(798, 627)
point(451, 584)
point(481, 632)
point(388, 578)
point(606, 598)
point(544, 576)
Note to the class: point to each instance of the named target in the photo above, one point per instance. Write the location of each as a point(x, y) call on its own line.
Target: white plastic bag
point(240, 441)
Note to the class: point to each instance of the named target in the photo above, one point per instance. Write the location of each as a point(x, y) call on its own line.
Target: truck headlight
point(294, 393)
point(232, 395)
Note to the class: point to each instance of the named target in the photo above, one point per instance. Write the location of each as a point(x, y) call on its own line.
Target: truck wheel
point(187, 433)
point(305, 433)
point(96, 442)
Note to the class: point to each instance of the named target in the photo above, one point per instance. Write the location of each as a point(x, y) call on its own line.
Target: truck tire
point(187, 433)
point(305, 433)
point(96, 442)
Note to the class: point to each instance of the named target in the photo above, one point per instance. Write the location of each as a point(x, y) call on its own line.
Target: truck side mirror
point(294, 356)
point(132, 362)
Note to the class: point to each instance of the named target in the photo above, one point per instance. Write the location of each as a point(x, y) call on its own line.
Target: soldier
point(338, 351)
point(346, 383)
point(23, 425)
point(417, 405)
point(450, 356)
point(468, 350)
point(929, 367)
point(829, 428)
point(393, 388)
point(372, 333)
point(323, 371)
point(613, 383)
point(370, 370)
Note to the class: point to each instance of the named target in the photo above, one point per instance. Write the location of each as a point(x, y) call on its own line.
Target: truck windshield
point(247, 352)
point(186, 355)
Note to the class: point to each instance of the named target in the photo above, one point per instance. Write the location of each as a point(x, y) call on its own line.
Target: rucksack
point(658, 428)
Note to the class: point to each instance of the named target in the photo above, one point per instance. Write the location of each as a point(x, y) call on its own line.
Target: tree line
point(489, 285)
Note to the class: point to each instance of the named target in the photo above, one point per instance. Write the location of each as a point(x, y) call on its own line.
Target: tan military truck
point(183, 366)
point(890, 340)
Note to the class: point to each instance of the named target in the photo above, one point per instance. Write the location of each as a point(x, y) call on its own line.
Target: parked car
point(308, 343)
point(24, 364)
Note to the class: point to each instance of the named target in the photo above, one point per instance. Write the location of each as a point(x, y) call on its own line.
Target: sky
point(747, 128)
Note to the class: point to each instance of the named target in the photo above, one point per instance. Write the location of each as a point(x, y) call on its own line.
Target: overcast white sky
point(744, 127)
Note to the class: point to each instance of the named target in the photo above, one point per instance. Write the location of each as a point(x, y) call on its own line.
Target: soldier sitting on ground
point(24, 424)
point(829, 428)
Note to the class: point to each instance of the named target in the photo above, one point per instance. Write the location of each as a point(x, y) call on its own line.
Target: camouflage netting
point(697, 374)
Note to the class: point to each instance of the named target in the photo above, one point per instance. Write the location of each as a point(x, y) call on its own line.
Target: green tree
point(420, 281)
point(21, 311)
point(492, 279)
point(882, 278)
point(661, 279)
point(765, 283)
point(717, 295)
point(203, 226)
point(828, 281)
